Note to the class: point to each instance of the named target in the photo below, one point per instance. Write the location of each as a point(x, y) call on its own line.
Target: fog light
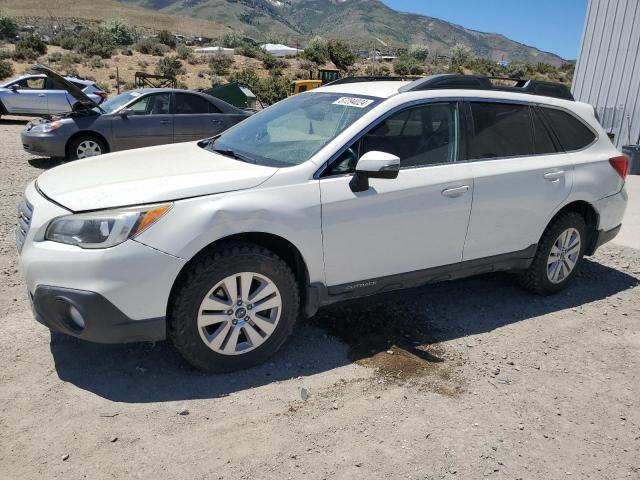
point(76, 317)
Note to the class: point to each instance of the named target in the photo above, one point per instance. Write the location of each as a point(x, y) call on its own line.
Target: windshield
point(293, 130)
point(118, 101)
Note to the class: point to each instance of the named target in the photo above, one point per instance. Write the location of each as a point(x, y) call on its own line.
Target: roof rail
point(478, 82)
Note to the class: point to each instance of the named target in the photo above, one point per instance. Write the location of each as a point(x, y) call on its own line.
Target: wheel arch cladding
point(278, 245)
point(591, 218)
point(87, 133)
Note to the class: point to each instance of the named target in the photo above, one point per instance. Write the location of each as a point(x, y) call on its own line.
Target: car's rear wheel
point(234, 308)
point(559, 255)
point(86, 146)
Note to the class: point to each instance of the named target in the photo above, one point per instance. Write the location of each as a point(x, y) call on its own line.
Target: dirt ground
point(466, 379)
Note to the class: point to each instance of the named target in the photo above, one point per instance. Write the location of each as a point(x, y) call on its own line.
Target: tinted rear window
point(500, 130)
point(187, 103)
point(542, 137)
point(571, 132)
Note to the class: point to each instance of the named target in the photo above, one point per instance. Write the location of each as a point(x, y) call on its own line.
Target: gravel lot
point(467, 379)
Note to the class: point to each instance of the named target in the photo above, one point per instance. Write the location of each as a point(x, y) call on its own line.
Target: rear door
point(151, 123)
point(58, 99)
point(520, 177)
point(196, 118)
point(30, 96)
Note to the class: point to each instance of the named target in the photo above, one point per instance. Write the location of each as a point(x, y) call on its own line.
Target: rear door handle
point(165, 122)
point(217, 121)
point(455, 192)
point(42, 94)
point(554, 175)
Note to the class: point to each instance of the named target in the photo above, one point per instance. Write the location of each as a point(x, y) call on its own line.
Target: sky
point(551, 25)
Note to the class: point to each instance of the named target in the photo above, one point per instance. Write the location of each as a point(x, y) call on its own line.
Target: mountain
point(367, 22)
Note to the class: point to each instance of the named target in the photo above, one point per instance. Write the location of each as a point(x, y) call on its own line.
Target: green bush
point(121, 33)
point(273, 89)
point(65, 40)
point(6, 69)
point(183, 52)
point(249, 50)
point(248, 76)
point(219, 64)
point(273, 64)
point(170, 66)
point(167, 38)
point(231, 40)
point(54, 57)
point(377, 69)
point(29, 47)
point(419, 52)
point(96, 62)
point(95, 42)
point(340, 54)
point(8, 28)
point(407, 66)
point(461, 55)
point(317, 51)
point(149, 46)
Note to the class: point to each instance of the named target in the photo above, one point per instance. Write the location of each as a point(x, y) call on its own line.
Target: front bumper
point(90, 316)
point(125, 287)
point(43, 144)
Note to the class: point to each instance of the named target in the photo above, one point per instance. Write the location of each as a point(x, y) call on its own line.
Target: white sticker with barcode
point(353, 102)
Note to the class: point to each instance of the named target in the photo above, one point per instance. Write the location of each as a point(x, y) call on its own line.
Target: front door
point(28, 96)
point(414, 222)
point(196, 118)
point(151, 123)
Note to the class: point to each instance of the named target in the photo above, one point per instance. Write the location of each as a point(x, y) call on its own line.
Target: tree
point(460, 56)
point(340, 54)
point(407, 66)
point(167, 38)
point(419, 52)
point(8, 28)
point(170, 66)
point(317, 51)
point(122, 34)
point(231, 40)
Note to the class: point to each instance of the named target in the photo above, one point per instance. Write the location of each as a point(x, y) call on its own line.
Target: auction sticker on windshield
point(353, 102)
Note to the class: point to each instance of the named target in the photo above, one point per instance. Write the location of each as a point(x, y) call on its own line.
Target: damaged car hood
point(148, 175)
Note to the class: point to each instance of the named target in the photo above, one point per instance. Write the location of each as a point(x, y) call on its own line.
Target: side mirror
point(374, 165)
point(14, 88)
point(125, 112)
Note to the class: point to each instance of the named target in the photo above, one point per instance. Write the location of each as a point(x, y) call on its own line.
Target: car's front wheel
point(558, 256)
point(234, 308)
point(85, 146)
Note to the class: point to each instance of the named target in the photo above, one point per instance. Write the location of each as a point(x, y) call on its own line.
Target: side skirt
point(319, 295)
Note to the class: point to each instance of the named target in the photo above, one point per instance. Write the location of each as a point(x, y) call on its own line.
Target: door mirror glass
point(374, 164)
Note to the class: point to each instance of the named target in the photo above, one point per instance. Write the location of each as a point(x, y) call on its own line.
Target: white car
point(349, 190)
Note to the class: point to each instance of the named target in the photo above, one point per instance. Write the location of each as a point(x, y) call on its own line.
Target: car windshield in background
point(293, 130)
point(118, 101)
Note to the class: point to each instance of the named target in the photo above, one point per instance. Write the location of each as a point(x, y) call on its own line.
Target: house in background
point(608, 70)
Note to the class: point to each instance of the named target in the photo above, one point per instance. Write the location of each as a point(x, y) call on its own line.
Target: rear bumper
point(602, 237)
point(90, 316)
point(43, 144)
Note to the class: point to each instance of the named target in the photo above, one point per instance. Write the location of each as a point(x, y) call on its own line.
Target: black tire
point(535, 278)
point(202, 276)
point(72, 150)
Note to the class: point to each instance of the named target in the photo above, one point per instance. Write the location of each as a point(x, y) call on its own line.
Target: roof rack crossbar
point(478, 82)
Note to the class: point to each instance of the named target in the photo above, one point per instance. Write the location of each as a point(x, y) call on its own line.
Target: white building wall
point(608, 70)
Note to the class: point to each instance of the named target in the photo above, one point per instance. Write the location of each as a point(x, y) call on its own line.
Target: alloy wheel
point(88, 148)
point(563, 256)
point(239, 313)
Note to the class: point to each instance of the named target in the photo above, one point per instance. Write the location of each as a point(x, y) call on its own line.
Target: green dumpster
point(234, 93)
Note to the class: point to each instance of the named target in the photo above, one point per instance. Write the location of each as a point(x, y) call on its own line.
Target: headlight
point(105, 228)
point(46, 127)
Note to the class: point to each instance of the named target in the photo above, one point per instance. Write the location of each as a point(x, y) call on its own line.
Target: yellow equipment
point(324, 76)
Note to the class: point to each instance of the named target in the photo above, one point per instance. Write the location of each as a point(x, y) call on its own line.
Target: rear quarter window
point(571, 132)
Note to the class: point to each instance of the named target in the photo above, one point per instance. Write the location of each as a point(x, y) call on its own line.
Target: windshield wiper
point(227, 152)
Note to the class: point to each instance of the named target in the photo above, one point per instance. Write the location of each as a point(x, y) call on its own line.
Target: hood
point(75, 92)
point(148, 175)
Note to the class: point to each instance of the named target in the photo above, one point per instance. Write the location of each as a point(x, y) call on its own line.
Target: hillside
point(367, 22)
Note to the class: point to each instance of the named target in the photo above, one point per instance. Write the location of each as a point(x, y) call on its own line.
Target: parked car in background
point(341, 192)
point(38, 94)
point(133, 119)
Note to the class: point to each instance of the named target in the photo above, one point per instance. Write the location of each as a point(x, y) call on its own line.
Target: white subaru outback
point(349, 190)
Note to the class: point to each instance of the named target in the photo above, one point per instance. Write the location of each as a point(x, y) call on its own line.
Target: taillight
point(620, 164)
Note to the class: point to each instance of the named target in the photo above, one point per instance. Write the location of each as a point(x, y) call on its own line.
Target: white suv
point(349, 190)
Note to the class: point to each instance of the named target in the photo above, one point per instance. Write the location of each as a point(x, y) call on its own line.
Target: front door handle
point(42, 94)
point(165, 122)
point(217, 121)
point(554, 175)
point(455, 192)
